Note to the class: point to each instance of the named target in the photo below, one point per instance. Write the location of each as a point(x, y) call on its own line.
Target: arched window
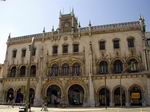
point(22, 71)
point(133, 65)
point(65, 69)
point(76, 69)
point(33, 70)
point(13, 72)
point(54, 70)
point(103, 67)
point(117, 66)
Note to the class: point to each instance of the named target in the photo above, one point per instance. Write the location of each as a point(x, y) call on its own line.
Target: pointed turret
point(9, 36)
point(90, 30)
point(60, 13)
point(72, 12)
point(142, 23)
point(44, 30)
point(52, 28)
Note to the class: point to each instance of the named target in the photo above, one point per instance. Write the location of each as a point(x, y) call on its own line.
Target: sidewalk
point(5, 108)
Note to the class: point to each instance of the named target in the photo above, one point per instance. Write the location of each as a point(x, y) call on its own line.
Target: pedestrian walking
point(44, 106)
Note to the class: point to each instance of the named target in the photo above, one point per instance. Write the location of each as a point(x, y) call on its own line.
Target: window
point(118, 66)
point(102, 45)
point(65, 48)
point(33, 70)
point(65, 69)
point(116, 44)
point(13, 72)
point(14, 53)
point(75, 48)
point(103, 67)
point(34, 51)
point(23, 52)
point(130, 42)
point(22, 71)
point(76, 69)
point(133, 65)
point(54, 70)
point(55, 49)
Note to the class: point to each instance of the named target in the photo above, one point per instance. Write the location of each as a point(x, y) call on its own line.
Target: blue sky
point(23, 17)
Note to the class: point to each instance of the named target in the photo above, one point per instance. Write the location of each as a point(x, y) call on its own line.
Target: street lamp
point(131, 65)
point(27, 103)
point(105, 93)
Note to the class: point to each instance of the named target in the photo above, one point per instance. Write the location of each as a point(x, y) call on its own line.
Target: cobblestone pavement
point(4, 108)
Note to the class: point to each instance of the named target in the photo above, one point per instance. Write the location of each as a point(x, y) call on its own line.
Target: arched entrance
point(19, 97)
point(104, 93)
point(119, 97)
point(53, 95)
point(10, 95)
point(135, 96)
point(31, 96)
point(75, 95)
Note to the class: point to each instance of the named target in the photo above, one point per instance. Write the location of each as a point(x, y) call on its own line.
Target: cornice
point(84, 31)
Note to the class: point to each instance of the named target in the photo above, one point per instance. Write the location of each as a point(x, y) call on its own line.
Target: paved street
point(4, 108)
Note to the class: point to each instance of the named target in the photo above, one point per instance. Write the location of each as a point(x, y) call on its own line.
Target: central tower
point(68, 22)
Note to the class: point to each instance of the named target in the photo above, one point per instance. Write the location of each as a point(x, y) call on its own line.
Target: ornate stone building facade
point(80, 66)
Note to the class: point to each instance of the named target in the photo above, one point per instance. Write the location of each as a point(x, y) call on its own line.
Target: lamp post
point(105, 94)
point(27, 103)
point(131, 65)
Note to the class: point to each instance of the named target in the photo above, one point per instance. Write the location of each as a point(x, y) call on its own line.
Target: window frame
point(14, 53)
point(75, 48)
point(23, 53)
point(116, 44)
point(65, 48)
point(102, 45)
point(131, 42)
point(55, 49)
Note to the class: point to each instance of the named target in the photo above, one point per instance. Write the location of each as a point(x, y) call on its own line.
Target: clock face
point(66, 24)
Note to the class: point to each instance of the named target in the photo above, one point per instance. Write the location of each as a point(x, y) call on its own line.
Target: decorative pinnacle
point(44, 30)
point(60, 13)
point(52, 28)
point(72, 12)
point(9, 36)
point(90, 23)
point(79, 25)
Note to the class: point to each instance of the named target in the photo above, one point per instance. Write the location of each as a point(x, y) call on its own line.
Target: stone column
point(127, 99)
point(144, 97)
point(148, 91)
point(111, 99)
point(1, 91)
point(38, 100)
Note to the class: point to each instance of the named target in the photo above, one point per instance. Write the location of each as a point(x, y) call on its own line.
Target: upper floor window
point(34, 51)
point(65, 69)
point(133, 65)
point(23, 52)
point(65, 48)
point(116, 44)
point(22, 71)
point(14, 53)
point(54, 70)
point(102, 45)
point(75, 48)
point(130, 42)
point(13, 72)
point(76, 69)
point(103, 67)
point(55, 49)
point(33, 70)
point(117, 66)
